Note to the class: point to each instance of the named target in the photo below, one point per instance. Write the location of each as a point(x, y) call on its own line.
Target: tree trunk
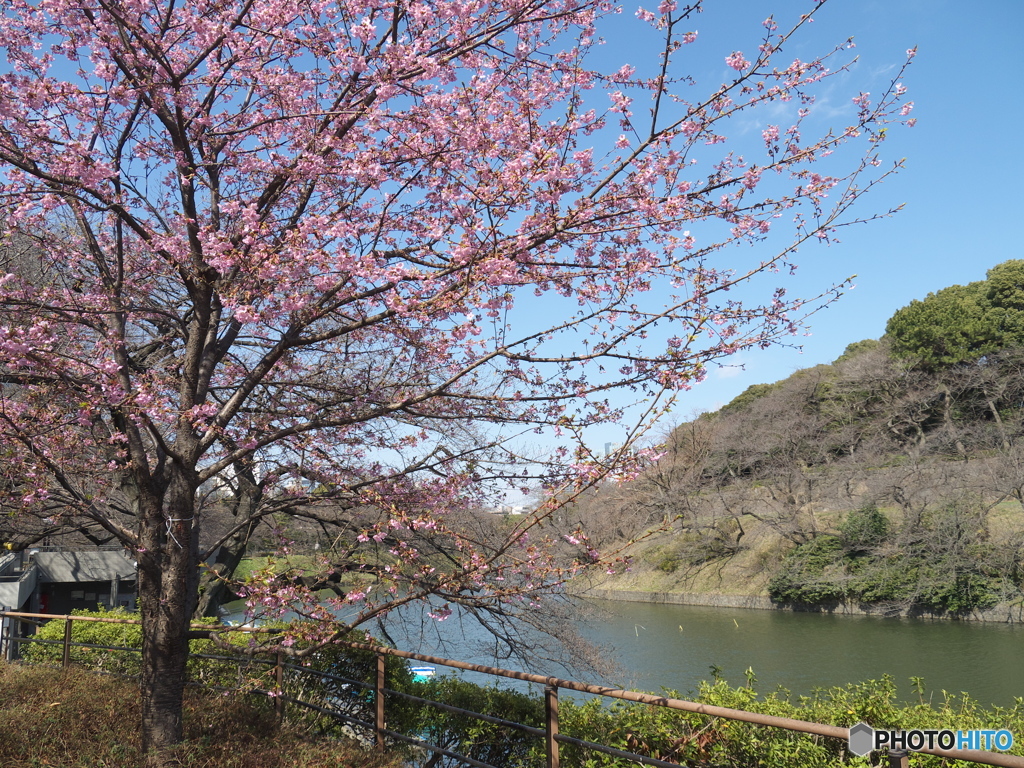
point(947, 421)
point(247, 496)
point(999, 422)
point(214, 590)
point(168, 581)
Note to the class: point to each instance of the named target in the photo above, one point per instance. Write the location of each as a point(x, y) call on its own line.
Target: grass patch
point(282, 564)
point(73, 718)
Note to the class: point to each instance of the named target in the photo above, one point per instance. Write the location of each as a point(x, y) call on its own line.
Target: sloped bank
point(1007, 612)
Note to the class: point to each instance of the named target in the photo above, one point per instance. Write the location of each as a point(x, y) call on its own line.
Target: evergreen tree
point(962, 323)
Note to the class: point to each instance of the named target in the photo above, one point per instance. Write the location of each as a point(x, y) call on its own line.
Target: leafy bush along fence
point(449, 721)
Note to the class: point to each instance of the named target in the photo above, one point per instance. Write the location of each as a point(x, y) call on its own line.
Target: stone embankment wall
point(1011, 613)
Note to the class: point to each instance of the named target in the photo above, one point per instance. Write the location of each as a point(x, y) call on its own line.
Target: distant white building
point(512, 509)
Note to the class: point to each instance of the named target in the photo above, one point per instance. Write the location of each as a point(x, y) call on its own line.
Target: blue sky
point(961, 186)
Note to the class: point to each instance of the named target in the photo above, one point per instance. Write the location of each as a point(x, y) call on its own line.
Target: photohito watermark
point(864, 739)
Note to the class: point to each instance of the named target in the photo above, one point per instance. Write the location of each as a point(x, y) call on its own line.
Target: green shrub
point(810, 573)
point(351, 699)
point(939, 564)
point(695, 739)
point(487, 742)
point(864, 529)
point(93, 633)
point(669, 563)
point(127, 635)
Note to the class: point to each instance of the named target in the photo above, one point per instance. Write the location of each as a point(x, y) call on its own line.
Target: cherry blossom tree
point(340, 259)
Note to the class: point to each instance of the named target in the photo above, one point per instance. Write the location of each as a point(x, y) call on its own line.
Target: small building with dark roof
point(59, 582)
point(69, 581)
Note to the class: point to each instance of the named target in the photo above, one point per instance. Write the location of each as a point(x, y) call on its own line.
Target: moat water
point(658, 646)
point(675, 647)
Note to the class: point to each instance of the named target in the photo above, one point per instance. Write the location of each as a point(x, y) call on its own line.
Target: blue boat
point(423, 673)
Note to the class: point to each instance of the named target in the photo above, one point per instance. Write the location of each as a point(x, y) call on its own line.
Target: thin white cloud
point(730, 371)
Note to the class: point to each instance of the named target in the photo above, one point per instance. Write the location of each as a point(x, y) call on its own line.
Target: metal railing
point(552, 685)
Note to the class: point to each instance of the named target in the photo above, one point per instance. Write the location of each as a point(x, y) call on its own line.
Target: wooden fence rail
point(551, 685)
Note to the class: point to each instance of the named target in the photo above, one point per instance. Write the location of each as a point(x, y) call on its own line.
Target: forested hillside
point(893, 476)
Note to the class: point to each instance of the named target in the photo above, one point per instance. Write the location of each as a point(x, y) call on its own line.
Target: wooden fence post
point(551, 710)
point(66, 661)
point(378, 734)
point(5, 642)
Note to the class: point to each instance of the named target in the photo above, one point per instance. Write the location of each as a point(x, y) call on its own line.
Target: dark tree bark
point(168, 582)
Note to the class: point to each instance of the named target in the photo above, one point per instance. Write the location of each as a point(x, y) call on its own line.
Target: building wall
point(16, 584)
point(62, 599)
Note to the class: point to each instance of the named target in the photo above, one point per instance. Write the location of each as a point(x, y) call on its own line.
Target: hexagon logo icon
point(862, 738)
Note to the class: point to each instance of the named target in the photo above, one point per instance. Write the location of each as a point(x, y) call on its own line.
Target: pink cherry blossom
point(736, 61)
point(337, 262)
